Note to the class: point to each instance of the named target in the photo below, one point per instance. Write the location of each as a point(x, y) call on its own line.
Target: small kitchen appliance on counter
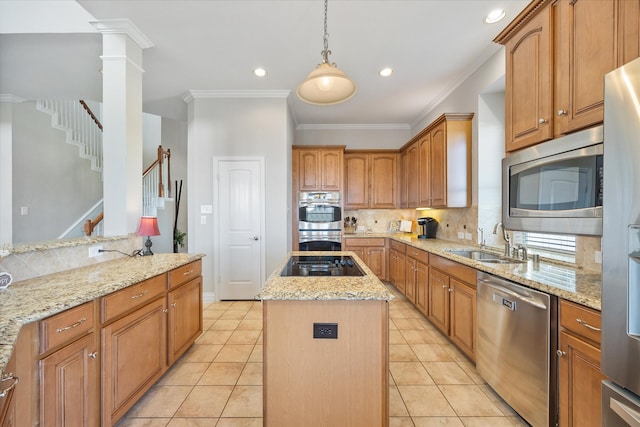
point(428, 227)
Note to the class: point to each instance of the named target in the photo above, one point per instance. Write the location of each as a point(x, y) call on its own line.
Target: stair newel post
point(160, 161)
point(169, 170)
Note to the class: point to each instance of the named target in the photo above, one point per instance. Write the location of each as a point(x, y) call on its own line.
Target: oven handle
point(303, 239)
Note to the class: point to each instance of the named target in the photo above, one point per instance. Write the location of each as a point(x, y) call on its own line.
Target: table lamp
point(148, 227)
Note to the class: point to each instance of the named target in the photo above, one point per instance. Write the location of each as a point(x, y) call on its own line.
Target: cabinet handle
point(562, 112)
point(165, 310)
point(542, 121)
point(8, 377)
point(174, 304)
point(75, 325)
point(444, 286)
point(560, 353)
point(93, 355)
point(186, 273)
point(139, 295)
point(588, 326)
point(450, 289)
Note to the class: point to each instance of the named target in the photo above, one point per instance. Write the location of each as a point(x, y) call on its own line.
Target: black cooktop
point(325, 265)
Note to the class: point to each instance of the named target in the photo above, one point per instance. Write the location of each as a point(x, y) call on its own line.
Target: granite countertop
point(560, 279)
point(367, 287)
point(35, 299)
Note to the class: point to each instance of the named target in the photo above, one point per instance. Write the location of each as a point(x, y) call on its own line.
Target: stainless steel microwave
point(555, 186)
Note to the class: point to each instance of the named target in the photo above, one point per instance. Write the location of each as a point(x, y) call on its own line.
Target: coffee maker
point(428, 227)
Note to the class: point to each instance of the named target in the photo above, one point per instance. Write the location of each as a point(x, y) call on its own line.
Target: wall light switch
point(206, 209)
point(467, 236)
point(203, 219)
point(24, 210)
point(598, 257)
point(461, 235)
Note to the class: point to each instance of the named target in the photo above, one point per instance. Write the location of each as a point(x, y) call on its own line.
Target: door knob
point(253, 238)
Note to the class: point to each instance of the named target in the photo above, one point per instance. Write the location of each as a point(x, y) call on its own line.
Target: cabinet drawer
point(400, 247)
point(185, 273)
point(454, 269)
point(66, 326)
point(364, 241)
point(418, 254)
point(581, 320)
point(134, 296)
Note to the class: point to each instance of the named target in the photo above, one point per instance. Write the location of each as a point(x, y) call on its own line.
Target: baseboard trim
point(208, 297)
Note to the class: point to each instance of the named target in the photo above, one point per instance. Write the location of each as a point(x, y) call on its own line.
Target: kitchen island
point(326, 357)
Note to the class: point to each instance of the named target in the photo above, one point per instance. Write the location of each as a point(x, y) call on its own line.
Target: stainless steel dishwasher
point(517, 336)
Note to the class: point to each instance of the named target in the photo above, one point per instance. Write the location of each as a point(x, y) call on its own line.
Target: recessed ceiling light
point(260, 72)
point(495, 16)
point(386, 72)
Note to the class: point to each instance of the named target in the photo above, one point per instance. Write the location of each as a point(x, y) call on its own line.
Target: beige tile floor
point(218, 382)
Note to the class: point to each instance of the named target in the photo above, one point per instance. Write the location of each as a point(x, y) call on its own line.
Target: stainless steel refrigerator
point(621, 248)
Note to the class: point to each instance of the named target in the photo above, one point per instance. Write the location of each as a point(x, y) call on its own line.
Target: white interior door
point(239, 204)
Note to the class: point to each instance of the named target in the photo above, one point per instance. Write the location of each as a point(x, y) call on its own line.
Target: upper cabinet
point(370, 179)
point(439, 164)
point(319, 168)
point(557, 53)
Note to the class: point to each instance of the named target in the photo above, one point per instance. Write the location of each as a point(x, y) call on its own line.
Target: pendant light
point(327, 84)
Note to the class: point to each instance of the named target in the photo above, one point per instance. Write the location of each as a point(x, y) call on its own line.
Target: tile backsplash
point(29, 261)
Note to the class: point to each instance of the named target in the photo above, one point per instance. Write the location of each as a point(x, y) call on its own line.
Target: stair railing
point(152, 182)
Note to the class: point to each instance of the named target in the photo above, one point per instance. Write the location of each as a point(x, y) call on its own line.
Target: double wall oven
point(319, 221)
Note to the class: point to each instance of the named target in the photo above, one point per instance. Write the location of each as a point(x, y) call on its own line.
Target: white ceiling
point(214, 45)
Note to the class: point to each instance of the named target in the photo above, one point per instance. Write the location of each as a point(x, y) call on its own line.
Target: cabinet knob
point(450, 289)
point(562, 112)
point(93, 355)
point(560, 353)
point(166, 310)
point(542, 121)
point(174, 304)
point(444, 286)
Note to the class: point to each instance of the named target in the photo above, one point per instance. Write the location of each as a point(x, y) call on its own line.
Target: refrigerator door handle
point(629, 415)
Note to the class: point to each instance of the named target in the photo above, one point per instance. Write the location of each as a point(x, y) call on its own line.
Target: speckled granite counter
point(567, 282)
point(35, 299)
point(367, 287)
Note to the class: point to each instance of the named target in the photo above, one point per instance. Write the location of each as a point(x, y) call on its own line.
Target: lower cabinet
point(417, 271)
point(134, 357)
point(397, 265)
point(452, 302)
point(372, 251)
point(69, 385)
point(8, 382)
point(579, 366)
point(185, 317)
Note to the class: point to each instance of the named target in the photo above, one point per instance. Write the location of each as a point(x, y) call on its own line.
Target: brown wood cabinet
point(585, 50)
point(397, 265)
point(69, 369)
point(439, 163)
point(185, 317)
point(370, 180)
point(319, 168)
point(557, 53)
point(372, 251)
point(343, 381)
point(8, 383)
point(579, 366)
point(417, 271)
point(452, 301)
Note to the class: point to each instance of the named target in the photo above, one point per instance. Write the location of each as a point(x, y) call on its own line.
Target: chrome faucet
point(482, 242)
point(505, 236)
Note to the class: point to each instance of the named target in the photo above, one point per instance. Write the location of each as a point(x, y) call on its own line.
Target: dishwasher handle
point(526, 299)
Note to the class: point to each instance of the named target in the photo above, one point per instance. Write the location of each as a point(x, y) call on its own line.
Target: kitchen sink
point(482, 256)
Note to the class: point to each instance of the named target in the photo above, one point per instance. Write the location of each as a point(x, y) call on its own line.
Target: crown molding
point(9, 98)
point(234, 94)
point(354, 126)
point(123, 26)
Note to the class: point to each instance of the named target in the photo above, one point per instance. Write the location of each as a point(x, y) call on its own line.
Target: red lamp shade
point(148, 226)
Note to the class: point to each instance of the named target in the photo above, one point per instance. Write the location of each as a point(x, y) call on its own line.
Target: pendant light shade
point(327, 84)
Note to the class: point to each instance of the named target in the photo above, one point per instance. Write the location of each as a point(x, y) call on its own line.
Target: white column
point(122, 45)
point(6, 168)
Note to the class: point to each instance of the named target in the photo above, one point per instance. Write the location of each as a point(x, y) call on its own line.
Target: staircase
point(84, 130)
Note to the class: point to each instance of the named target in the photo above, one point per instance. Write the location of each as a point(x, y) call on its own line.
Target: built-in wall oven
point(319, 221)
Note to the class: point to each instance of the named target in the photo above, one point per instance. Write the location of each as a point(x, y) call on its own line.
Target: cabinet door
point(413, 179)
point(69, 393)
point(403, 179)
point(463, 316)
point(331, 170)
point(585, 52)
point(438, 154)
point(628, 31)
point(422, 284)
point(528, 83)
point(579, 383)
point(376, 261)
point(401, 272)
point(308, 170)
point(185, 317)
point(438, 312)
point(8, 385)
point(134, 357)
point(356, 180)
point(410, 280)
point(424, 174)
point(383, 181)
